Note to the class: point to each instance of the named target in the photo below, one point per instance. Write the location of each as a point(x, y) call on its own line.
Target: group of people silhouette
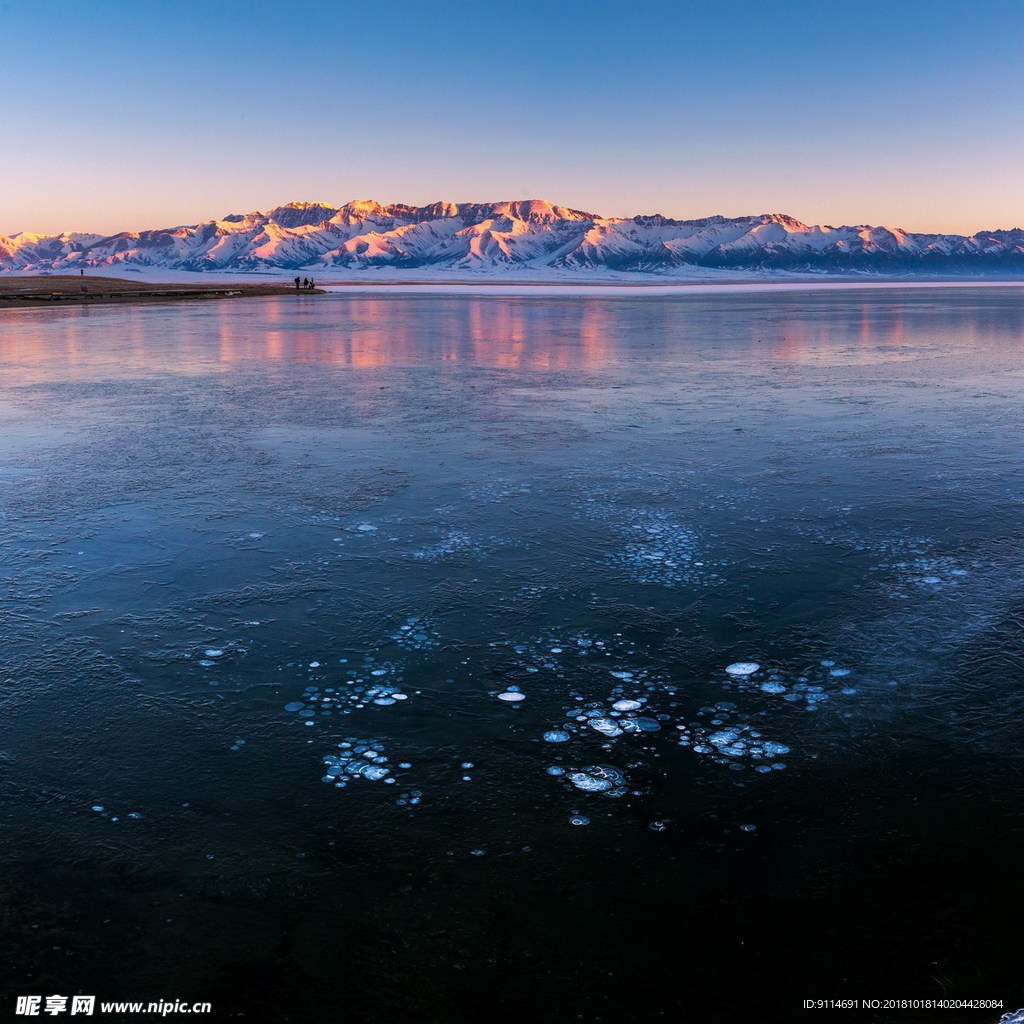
point(305, 285)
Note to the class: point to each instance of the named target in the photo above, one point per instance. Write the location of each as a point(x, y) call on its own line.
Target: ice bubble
point(605, 726)
point(295, 705)
point(477, 853)
point(554, 770)
point(749, 828)
point(723, 737)
point(773, 688)
point(213, 653)
point(579, 819)
point(556, 736)
point(598, 779)
point(466, 764)
point(384, 701)
point(742, 668)
point(511, 696)
point(314, 664)
point(657, 826)
point(588, 783)
point(366, 528)
point(97, 807)
point(641, 724)
point(627, 705)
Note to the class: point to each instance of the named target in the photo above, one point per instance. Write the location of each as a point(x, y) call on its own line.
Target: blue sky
point(121, 115)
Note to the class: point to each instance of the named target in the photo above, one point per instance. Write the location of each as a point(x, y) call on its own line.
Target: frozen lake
point(424, 657)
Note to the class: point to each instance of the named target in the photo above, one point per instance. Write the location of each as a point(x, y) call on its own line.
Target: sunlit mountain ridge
point(317, 237)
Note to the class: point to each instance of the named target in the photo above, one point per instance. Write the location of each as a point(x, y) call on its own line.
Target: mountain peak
point(301, 214)
point(537, 211)
point(784, 219)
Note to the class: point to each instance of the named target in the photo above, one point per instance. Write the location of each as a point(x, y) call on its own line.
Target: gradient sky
point(120, 115)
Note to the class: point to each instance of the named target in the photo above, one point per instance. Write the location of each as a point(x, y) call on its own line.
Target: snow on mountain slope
point(531, 233)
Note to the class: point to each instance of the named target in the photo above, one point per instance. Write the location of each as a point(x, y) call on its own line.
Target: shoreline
point(607, 289)
point(24, 290)
point(31, 291)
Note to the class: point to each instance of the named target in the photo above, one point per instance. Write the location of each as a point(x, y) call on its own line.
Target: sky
point(118, 115)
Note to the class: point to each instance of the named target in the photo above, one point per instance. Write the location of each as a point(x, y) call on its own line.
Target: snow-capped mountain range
point(531, 234)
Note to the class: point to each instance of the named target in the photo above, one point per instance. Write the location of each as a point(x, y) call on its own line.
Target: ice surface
point(604, 516)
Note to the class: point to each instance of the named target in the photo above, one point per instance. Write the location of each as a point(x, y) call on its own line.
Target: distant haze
point(122, 116)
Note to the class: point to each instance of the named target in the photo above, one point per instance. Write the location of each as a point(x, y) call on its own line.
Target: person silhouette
point(305, 282)
point(296, 284)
